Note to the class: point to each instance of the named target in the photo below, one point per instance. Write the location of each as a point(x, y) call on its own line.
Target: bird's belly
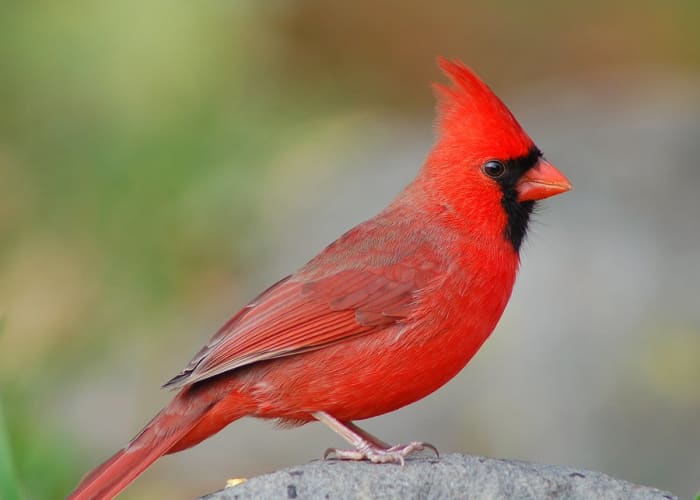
point(363, 377)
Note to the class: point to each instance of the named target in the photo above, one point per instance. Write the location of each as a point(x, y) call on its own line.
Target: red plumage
point(382, 317)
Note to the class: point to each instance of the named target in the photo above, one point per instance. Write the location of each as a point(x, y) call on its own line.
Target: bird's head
point(484, 164)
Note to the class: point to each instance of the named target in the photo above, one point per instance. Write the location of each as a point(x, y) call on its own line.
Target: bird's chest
point(464, 306)
point(455, 318)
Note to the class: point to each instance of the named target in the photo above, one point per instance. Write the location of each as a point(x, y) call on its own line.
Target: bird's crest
point(471, 115)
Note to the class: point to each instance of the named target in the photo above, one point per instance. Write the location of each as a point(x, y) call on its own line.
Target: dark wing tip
point(177, 381)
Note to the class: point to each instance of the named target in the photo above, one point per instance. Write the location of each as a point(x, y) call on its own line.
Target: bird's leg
point(367, 446)
point(366, 435)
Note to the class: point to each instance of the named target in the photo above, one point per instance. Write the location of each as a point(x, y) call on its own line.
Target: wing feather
point(312, 310)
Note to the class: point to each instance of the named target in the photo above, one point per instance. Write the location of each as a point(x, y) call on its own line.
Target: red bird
point(383, 316)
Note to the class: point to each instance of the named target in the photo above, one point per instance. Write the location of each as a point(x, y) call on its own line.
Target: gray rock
point(452, 476)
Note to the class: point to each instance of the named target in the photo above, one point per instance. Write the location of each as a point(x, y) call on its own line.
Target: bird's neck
point(482, 221)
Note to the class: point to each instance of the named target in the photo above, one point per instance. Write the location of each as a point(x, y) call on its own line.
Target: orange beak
point(541, 181)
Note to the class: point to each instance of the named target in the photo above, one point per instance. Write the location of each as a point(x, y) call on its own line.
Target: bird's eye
point(493, 169)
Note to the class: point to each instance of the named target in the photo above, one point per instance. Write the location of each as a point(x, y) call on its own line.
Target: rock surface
point(452, 476)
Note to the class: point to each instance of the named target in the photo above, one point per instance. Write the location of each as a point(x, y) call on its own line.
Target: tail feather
point(115, 474)
point(159, 437)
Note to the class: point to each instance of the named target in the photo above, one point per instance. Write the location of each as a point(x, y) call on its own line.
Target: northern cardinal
point(383, 316)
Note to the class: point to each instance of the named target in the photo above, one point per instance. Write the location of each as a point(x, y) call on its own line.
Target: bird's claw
point(396, 454)
point(415, 446)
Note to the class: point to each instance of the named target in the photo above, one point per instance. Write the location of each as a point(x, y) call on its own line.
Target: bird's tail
point(188, 419)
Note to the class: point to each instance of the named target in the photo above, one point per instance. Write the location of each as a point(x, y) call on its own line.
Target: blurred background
point(162, 162)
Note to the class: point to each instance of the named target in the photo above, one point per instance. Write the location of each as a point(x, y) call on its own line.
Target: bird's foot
point(378, 455)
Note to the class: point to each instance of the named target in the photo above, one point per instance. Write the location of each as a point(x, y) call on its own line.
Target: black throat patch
point(518, 213)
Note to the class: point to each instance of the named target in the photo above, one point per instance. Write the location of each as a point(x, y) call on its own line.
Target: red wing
point(297, 315)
